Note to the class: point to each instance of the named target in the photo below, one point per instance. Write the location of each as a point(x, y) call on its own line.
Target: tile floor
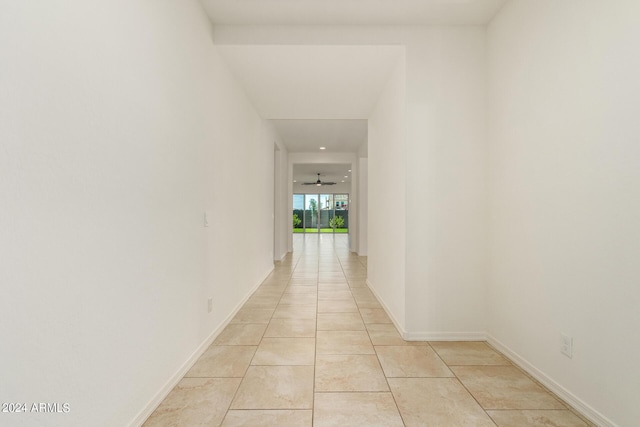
point(314, 347)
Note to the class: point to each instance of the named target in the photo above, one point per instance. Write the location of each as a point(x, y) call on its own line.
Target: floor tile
point(223, 361)
point(364, 297)
point(363, 302)
point(340, 322)
point(291, 328)
point(258, 299)
point(468, 353)
point(295, 312)
point(349, 373)
point(303, 282)
point(298, 299)
point(362, 293)
point(330, 266)
point(343, 342)
point(253, 315)
point(266, 291)
point(312, 284)
point(342, 294)
point(304, 290)
point(504, 387)
point(275, 387)
point(195, 402)
point(277, 281)
point(337, 306)
point(374, 315)
point(355, 410)
point(540, 418)
point(262, 302)
point(268, 418)
point(241, 334)
point(437, 402)
point(411, 361)
point(333, 286)
point(384, 334)
point(285, 351)
point(332, 279)
point(357, 283)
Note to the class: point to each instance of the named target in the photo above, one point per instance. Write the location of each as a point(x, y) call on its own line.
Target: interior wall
point(446, 184)
point(281, 217)
point(565, 200)
point(386, 242)
point(363, 217)
point(120, 128)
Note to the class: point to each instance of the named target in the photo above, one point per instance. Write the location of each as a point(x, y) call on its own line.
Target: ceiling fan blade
point(319, 183)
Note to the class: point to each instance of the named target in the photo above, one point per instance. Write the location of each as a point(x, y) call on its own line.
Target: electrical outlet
point(566, 345)
point(210, 305)
point(206, 220)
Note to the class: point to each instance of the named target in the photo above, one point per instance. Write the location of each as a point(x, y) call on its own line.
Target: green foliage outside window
point(336, 222)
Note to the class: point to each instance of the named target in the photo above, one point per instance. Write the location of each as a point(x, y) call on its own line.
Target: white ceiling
point(328, 172)
point(312, 82)
point(352, 12)
point(315, 95)
point(338, 136)
point(322, 95)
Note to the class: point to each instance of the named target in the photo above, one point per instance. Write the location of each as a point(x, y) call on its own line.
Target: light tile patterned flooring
point(313, 347)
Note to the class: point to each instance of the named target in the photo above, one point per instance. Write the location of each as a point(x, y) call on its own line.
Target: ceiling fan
point(318, 182)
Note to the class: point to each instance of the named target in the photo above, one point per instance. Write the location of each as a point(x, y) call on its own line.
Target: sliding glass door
point(320, 213)
point(341, 221)
point(326, 213)
point(311, 213)
point(298, 213)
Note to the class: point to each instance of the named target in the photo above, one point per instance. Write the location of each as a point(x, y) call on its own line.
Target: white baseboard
point(188, 364)
point(445, 336)
point(427, 336)
point(386, 309)
point(576, 403)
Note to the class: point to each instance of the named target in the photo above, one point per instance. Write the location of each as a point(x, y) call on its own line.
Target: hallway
point(313, 346)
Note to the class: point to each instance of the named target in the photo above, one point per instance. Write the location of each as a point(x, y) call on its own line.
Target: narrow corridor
point(313, 346)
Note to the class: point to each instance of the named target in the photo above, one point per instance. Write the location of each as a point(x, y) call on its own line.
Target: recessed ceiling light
point(346, 176)
point(295, 180)
point(349, 170)
point(323, 148)
point(342, 180)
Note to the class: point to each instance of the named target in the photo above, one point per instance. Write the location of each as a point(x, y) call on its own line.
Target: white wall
point(119, 127)
point(281, 216)
point(386, 200)
point(445, 184)
point(363, 203)
point(565, 200)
